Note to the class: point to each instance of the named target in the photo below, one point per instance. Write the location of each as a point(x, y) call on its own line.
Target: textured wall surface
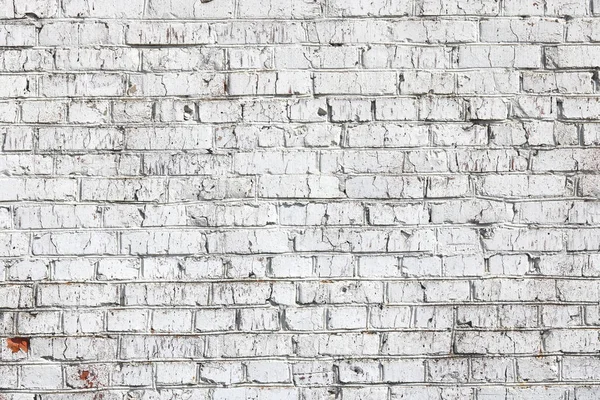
point(299, 199)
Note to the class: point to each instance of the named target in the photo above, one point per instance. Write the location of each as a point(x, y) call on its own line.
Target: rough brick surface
point(299, 199)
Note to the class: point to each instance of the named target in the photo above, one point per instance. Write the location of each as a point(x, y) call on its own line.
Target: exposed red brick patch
point(18, 343)
point(88, 377)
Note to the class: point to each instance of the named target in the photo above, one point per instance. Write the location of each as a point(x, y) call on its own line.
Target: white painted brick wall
point(299, 199)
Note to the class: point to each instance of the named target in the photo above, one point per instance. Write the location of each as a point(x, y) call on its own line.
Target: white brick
point(259, 319)
point(41, 376)
point(304, 319)
point(516, 30)
point(379, 8)
point(347, 318)
point(103, 9)
point(77, 295)
point(43, 111)
point(226, 373)
point(28, 270)
point(268, 372)
point(8, 376)
point(458, 7)
point(215, 320)
point(355, 83)
point(176, 373)
point(184, 10)
point(39, 322)
point(17, 35)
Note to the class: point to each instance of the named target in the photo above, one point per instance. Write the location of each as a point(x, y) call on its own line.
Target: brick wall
point(299, 199)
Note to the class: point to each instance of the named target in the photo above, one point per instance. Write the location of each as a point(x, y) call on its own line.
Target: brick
point(27, 270)
point(380, 56)
point(347, 318)
point(280, 9)
point(127, 320)
point(115, 269)
point(515, 30)
point(42, 376)
point(88, 59)
point(457, 7)
point(494, 342)
point(9, 377)
point(495, 56)
point(312, 345)
point(250, 345)
point(99, 9)
point(378, 8)
point(215, 320)
point(78, 295)
point(322, 57)
point(225, 373)
point(176, 373)
point(415, 343)
point(268, 372)
point(259, 319)
point(17, 35)
point(357, 83)
point(40, 323)
point(260, 394)
point(398, 109)
point(178, 84)
point(388, 135)
point(347, 110)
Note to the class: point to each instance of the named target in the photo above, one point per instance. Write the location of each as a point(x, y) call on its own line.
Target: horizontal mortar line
point(358, 384)
point(450, 70)
point(204, 96)
point(304, 253)
point(284, 203)
point(293, 361)
point(333, 41)
point(344, 331)
point(225, 151)
point(228, 175)
point(216, 229)
point(534, 227)
point(316, 360)
point(275, 226)
point(28, 204)
point(318, 306)
point(299, 359)
point(300, 200)
point(209, 43)
point(304, 200)
point(429, 123)
point(266, 305)
point(221, 228)
point(568, 173)
point(234, 43)
point(326, 280)
point(253, 98)
point(312, 17)
point(323, 279)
